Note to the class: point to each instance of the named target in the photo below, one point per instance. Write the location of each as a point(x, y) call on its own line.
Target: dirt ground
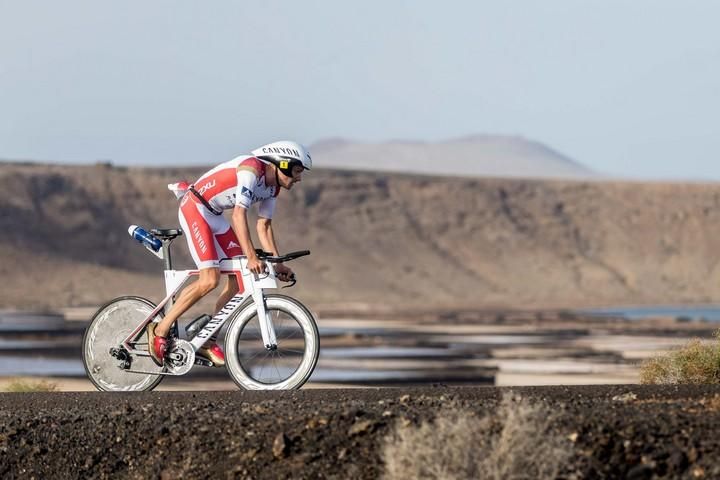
point(622, 431)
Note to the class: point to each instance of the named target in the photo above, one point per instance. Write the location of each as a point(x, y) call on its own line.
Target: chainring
point(185, 353)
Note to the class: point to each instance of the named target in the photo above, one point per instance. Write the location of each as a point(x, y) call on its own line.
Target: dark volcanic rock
point(665, 432)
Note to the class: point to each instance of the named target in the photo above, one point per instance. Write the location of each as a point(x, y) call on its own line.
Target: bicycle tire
point(310, 352)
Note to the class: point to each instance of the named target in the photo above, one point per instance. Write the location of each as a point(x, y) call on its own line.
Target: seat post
point(166, 235)
point(166, 253)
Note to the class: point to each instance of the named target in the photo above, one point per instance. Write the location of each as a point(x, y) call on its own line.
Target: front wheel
point(109, 327)
point(254, 367)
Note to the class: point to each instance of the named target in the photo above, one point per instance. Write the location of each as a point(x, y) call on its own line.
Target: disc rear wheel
point(109, 327)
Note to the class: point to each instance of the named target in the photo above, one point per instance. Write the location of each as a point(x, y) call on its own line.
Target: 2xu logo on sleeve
point(200, 190)
point(206, 187)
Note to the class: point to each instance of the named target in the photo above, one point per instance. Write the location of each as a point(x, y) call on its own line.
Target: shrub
point(20, 385)
point(516, 442)
point(696, 362)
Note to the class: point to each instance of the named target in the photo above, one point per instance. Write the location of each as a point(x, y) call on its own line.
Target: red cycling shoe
point(157, 345)
point(214, 354)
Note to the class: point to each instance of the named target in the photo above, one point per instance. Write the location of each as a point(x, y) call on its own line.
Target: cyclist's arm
point(266, 208)
point(247, 175)
point(240, 226)
point(266, 236)
point(267, 239)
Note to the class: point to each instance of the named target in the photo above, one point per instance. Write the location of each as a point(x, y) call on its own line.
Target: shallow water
point(376, 352)
point(699, 312)
point(11, 366)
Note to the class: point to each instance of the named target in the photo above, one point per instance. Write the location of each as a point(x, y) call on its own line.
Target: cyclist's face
point(288, 182)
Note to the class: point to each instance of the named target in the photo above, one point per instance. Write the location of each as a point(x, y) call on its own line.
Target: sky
point(627, 88)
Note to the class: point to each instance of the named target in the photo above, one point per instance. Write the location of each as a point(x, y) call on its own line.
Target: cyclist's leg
point(210, 349)
point(157, 333)
point(230, 290)
point(228, 243)
point(196, 222)
point(206, 282)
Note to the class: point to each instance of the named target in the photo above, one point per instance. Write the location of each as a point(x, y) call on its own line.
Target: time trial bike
point(271, 341)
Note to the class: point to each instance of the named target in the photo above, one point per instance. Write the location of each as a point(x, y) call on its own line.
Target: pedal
point(203, 362)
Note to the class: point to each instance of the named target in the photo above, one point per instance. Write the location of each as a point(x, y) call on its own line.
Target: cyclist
point(234, 185)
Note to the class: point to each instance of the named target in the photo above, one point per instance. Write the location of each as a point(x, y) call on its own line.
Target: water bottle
point(142, 236)
point(196, 325)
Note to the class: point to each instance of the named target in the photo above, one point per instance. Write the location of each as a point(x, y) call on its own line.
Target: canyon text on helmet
point(284, 155)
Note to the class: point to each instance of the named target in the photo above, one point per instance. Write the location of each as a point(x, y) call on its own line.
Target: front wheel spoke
point(255, 354)
point(287, 359)
point(290, 336)
point(251, 327)
point(276, 369)
point(258, 332)
point(262, 369)
point(293, 350)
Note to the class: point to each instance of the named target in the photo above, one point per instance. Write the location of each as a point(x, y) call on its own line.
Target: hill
point(378, 240)
point(476, 155)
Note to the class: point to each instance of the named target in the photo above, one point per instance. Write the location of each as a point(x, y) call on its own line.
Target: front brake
point(292, 281)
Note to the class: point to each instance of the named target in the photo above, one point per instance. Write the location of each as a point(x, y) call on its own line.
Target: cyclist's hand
point(256, 266)
point(283, 273)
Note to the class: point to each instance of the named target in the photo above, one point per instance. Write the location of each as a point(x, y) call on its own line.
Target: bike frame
point(249, 285)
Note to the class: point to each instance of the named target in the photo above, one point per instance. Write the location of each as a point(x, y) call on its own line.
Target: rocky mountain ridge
point(379, 240)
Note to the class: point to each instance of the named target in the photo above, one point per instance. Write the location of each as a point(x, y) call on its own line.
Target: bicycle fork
point(257, 284)
point(267, 329)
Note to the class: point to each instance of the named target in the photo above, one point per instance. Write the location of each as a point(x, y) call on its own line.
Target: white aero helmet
point(284, 155)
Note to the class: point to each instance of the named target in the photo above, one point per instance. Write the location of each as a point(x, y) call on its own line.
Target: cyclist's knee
point(208, 281)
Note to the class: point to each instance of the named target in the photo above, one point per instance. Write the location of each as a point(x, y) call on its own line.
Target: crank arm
point(203, 363)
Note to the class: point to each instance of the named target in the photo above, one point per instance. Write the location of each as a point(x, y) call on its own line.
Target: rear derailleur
point(123, 355)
